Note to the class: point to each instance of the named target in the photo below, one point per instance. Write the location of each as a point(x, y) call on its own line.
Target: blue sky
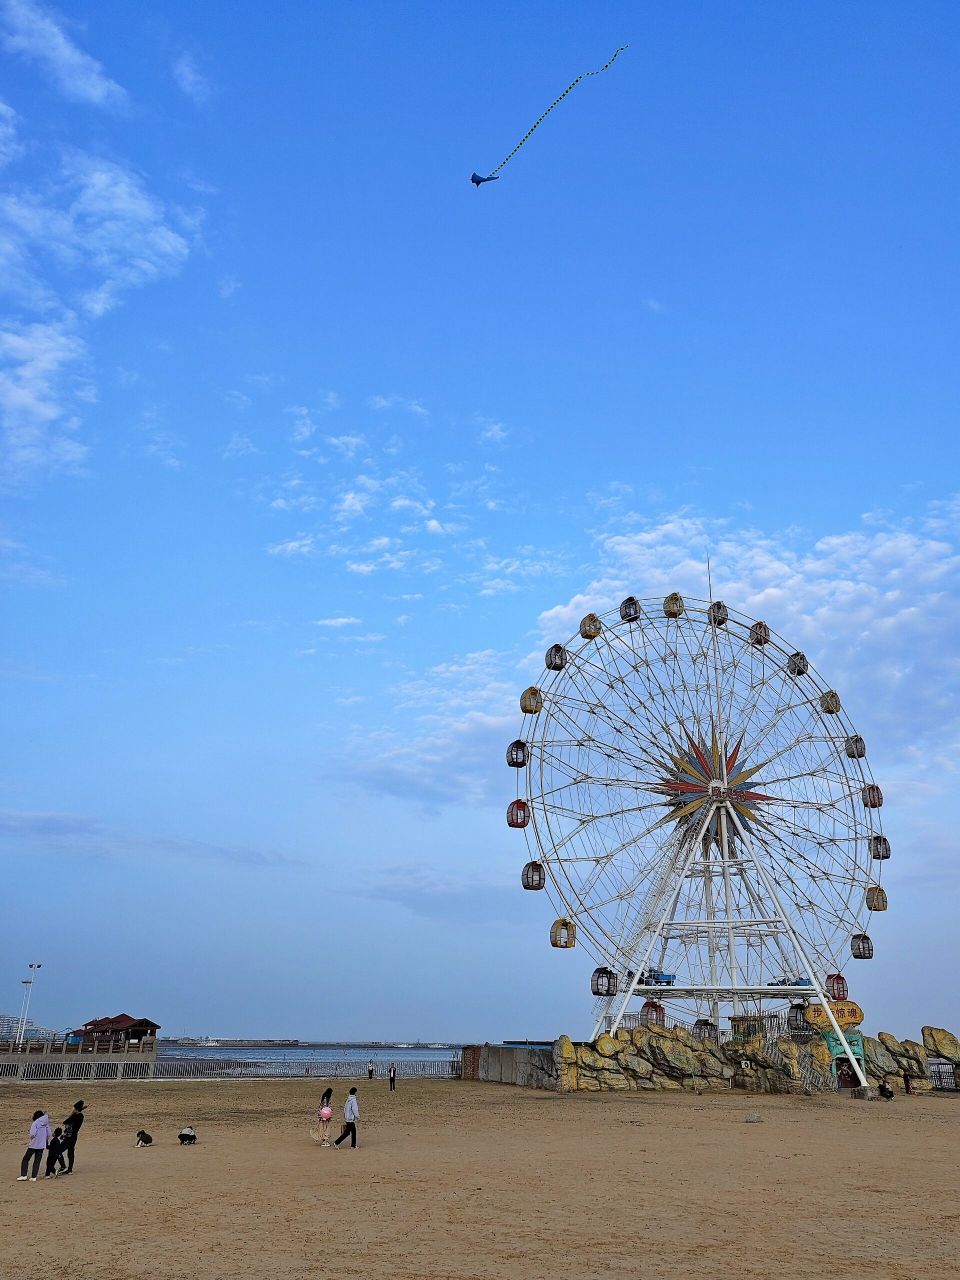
point(309, 447)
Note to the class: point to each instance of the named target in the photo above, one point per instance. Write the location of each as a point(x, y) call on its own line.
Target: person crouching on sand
point(143, 1138)
point(187, 1136)
point(55, 1155)
point(351, 1115)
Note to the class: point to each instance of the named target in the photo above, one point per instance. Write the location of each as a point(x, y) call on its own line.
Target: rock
point(568, 1077)
point(606, 1045)
point(673, 1059)
point(623, 1038)
point(613, 1080)
point(916, 1057)
point(634, 1065)
point(684, 1037)
point(564, 1050)
point(791, 1056)
point(588, 1084)
point(664, 1082)
point(753, 1119)
point(588, 1059)
point(891, 1044)
point(940, 1043)
point(879, 1060)
point(820, 1055)
point(921, 1086)
point(710, 1067)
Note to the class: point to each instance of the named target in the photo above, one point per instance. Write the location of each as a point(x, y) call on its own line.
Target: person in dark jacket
point(55, 1155)
point(71, 1131)
point(143, 1138)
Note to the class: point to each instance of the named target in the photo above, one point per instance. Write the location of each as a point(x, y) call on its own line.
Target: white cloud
point(239, 446)
point(18, 565)
point(412, 504)
point(438, 529)
point(9, 146)
point(346, 445)
point(33, 32)
point(336, 622)
point(352, 504)
point(190, 79)
point(492, 432)
point(302, 545)
point(303, 425)
point(228, 286)
point(398, 402)
point(68, 253)
point(38, 374)
point(161, 445)
point(871, 607)
point(95, 229)
point(499, 587)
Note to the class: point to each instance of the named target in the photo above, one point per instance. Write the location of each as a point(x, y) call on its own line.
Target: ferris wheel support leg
point(667, 913)
point(802, 953)
point(604, 1014)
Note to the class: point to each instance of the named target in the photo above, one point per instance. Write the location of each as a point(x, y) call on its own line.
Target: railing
point(80, 1048)
point(114, 1068)
point(290, 1068)
point(943, 1074)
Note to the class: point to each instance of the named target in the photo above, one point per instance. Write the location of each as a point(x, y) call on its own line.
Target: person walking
point(351, 1115)
point(393, 1077)
point(36, 1145)
point(71, 1131)
point(370, 1069)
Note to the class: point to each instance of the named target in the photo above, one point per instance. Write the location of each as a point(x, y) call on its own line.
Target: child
point(55, 1154)
point(187, 1136)
point(143, 1138)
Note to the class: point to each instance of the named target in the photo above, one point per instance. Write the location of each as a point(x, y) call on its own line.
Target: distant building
point(121, 1027)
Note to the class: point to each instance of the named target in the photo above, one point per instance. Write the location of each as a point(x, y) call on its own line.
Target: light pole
point(27, 984)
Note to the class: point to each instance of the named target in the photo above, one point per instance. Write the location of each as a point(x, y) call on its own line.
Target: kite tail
point(556, 102)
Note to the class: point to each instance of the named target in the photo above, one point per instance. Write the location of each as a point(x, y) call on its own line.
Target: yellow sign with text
point(846, 1012)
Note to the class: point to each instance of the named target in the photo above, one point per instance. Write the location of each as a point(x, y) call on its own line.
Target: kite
point(494, 174)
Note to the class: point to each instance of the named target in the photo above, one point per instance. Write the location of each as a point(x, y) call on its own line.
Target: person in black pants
point(36, 1145)
point(351, 1114)
point(71, 1131)
point(393, 1077)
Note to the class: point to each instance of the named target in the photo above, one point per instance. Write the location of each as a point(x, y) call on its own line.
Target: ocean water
point(381, 1055)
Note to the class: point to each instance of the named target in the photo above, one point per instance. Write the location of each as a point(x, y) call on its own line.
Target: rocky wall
point(652, 1058)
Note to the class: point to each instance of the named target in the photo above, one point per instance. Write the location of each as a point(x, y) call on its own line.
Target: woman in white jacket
point(37, 1143)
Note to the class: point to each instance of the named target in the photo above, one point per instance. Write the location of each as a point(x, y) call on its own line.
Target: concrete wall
point(523, 1065)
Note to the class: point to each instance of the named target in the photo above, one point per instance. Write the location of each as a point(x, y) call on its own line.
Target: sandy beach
point(465, 1180)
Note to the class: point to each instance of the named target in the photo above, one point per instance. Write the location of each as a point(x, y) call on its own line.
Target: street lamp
point(27, 984)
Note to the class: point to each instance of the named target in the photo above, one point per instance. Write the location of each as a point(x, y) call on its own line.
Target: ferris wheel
point(701, 813)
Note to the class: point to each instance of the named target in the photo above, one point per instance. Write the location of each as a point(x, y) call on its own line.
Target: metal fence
point(53, 1070)
point(943, 1074)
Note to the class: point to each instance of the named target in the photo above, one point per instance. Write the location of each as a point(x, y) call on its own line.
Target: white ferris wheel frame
point(769, 916)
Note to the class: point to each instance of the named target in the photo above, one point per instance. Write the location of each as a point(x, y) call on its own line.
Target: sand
point(464, 1180)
